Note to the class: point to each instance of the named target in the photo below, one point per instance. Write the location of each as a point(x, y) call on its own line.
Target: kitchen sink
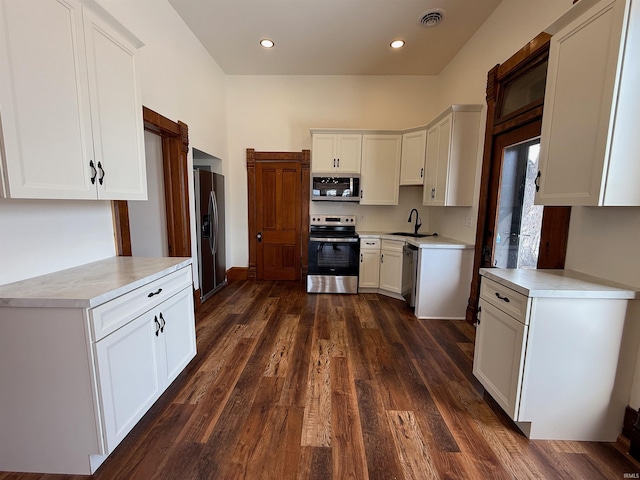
point(415, 235)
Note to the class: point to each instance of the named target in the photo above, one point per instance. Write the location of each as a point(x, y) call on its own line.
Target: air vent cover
point(431, 18)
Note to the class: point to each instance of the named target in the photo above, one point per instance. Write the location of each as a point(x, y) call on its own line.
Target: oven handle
point(333, 240)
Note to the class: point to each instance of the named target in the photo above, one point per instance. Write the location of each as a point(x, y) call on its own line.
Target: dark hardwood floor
point(294, 386)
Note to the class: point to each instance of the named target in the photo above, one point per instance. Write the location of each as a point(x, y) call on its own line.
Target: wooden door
point(278, 214)
point(508, 123)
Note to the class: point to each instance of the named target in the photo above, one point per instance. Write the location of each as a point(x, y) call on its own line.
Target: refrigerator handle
point(212, 234)
point(213, 201)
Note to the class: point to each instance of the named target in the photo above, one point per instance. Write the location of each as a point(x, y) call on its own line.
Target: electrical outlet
point(361, 218)
point(467, 221)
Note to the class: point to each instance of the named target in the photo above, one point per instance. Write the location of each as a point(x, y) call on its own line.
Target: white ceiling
point(331, 37)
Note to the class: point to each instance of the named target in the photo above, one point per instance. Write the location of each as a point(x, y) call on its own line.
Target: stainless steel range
point(334, 250)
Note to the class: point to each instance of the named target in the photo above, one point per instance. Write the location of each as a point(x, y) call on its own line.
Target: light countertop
point(424, 242)
point(88, 285)
point(558, 283)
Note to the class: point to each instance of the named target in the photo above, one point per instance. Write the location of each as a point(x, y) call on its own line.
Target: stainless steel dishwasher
point(409, 273)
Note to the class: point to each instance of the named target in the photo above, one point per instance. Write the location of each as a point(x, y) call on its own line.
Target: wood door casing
point(522, 124)
point(175, 145)
point(278, 188)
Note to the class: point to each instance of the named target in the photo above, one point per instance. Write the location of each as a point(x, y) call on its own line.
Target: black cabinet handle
point(361, 260)
point(478, 317)
point(163, 323)
point(101, 179)
point(95, 172)
point(382, 258)
point(154, 293)
point(537, 180)
point(155, 320)
point(421, 172)
point(504, 299)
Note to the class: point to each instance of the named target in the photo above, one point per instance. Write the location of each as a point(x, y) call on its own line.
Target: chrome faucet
point(418, 223)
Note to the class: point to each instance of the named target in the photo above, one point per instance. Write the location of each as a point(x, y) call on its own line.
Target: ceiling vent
point(431, 18)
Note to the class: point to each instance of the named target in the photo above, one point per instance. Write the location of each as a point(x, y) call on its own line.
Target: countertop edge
point(78, 301)
point(572, 284)
point(424, 242)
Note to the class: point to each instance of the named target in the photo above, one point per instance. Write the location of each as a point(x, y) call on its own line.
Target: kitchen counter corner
point(88, 285)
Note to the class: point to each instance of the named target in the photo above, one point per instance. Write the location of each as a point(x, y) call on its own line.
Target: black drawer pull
point(154, 293)
point(155, 320)
point(504, 299)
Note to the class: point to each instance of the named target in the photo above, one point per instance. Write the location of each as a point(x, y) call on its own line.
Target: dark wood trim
point(528, 57)
point(175, 146)
point(630, 418)
point(197, 301)
point(121, 227)
point(237, 274)
point(304, 158)
point(251, 189)
point(305, 195)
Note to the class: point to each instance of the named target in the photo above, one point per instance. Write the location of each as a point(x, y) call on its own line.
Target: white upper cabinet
point(336, 153)
point(451, 156)
point(70, 103)
point(414, 146)
point(380, 176)
point(590, 143)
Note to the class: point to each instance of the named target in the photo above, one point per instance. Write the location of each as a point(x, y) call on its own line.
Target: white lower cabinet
point(497, 363)
point(369, 275)
point(547, 349)
point(391, 266)
point(84, 353)
point(138, 362)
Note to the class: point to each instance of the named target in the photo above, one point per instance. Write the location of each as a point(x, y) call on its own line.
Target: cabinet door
point(498, 361)
point(116, 112)
point(444, 156)
point(391, 270)
point(380, 178)
point(414, 146)
point(46, 124)
point(369, 268)
point(323, 153)
point(577, 107)
point(178, 331)
point(128, 375)
point(349, 153)
point(431, 166)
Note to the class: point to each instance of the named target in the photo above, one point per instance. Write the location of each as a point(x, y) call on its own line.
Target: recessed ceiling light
point(266, 43)
point(397, 44)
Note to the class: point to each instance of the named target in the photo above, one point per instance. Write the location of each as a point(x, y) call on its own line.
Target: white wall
point(180, 81)
point(464, 80)
point(602, 241)
point(39, 237)
point(148, 219)
point(275, 113)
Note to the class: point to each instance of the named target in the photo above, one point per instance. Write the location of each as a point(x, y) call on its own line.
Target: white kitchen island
point(548, 346)
point(443, 274)
point(84, 353)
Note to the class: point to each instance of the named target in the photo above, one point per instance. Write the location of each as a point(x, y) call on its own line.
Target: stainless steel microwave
point(336, 189)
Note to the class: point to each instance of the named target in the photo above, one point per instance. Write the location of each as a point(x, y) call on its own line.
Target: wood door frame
point(555, 228)
point(304, 158)
point(175, 146)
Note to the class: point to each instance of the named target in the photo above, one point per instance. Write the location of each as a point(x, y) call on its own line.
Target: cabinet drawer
point(393, 245)
point(369, 243)
point(507, 300)
point(112, 315)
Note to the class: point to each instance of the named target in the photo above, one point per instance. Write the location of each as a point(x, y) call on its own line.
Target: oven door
point(333, 265)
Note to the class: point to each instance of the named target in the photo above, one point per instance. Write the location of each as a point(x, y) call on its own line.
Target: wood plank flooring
point(294, 386)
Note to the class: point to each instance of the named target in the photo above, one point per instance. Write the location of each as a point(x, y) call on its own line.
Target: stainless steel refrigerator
point(209, 193)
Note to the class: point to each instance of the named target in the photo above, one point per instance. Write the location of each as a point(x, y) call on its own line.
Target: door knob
point(259, 236)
